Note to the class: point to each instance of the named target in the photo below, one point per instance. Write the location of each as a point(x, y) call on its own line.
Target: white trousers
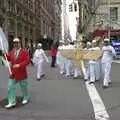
point(77, 72)
point(106, 67)
point(62, 65)
point(97, 70)
point(87, 72)
point(92, 72)
point(68, 67)
point(39, 69)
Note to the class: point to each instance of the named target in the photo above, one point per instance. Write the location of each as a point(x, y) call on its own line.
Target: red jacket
point(23, 60)
point(53, 51)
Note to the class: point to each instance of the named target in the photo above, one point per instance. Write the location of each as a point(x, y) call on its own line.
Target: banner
point(78, 55)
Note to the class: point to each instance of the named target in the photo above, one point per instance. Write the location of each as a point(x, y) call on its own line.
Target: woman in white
point(38, 60)
point(108, 54)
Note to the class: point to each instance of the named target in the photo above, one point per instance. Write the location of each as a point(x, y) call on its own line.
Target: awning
point(102, 33)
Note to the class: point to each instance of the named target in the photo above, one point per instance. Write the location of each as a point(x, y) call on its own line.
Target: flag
point(3, 41)
point(4, 47)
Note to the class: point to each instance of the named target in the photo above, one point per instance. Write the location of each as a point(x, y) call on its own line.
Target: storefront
point(114, 34)
point(114, 38)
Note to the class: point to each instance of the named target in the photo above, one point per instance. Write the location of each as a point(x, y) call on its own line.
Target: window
point(114, 13)
point(75, 7)
point(70, 8)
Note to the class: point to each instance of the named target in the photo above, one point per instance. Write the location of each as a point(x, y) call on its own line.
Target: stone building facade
point(101, 16)
point(30, 20)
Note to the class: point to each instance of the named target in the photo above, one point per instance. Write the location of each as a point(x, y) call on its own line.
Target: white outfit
point(38, 60)
point(87, 68)
point(61, 60)
point(77, 72)
point(108, 54)
point(68, 62)
point(94, 67)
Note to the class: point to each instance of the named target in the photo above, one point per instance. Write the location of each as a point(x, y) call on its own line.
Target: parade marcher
point(76, 64)
point(19, 59)
point(68, 62)
point(94, 73)
point(53, 53)
point(61, 58)
point(38, 59)
point(87, 66)
point(108, 54)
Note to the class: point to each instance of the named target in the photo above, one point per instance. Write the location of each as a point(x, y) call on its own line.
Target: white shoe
point(10, 105)
point(24, 102)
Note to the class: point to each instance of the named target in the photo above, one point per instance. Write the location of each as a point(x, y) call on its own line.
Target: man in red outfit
point(19, 59)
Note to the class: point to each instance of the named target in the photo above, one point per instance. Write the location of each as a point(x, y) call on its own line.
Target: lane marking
point(116, 61)
point(98, 106)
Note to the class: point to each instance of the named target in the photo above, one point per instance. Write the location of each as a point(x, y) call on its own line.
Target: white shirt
point(93, 48)
point(16, 53)
point(108, 53)
point(39, 56)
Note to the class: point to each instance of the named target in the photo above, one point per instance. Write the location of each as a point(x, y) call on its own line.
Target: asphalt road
point(56, 97)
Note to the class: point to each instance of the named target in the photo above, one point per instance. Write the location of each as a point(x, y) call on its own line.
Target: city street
point(56, 97)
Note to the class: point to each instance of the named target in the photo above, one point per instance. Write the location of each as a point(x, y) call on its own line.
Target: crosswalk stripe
point(98, 105)
point(116, 61)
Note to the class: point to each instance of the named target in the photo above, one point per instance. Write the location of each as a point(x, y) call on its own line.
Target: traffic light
point(70, 8)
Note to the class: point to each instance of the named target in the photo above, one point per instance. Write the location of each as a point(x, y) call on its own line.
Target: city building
point(99, 18)
point(73, 13)
point(30, 20)
point(107, 19)
point(65, 24)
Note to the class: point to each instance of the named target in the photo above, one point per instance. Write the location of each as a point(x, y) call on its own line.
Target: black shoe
point(104, 87)
point(43, 75)
point(91, 82)
point(85, 80)
point(75, 77)
point(38, 79)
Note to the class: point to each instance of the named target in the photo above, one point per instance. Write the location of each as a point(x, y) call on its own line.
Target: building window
point(75, 7)
point(70, 8)
point(114, 13)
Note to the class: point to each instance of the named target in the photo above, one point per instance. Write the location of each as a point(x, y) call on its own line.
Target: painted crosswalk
point(116, 61)
point(98, 105)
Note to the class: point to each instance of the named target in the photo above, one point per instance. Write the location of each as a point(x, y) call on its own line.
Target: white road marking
point(98, 105)
point(116, 61)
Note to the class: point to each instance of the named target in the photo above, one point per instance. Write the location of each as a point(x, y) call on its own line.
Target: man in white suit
point(108, 54)
point(38, 60)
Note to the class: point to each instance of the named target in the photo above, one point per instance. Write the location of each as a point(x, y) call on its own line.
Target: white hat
point(88, 43)
point(94, 41)
point(16, 40)
point(106, 39)
point(39, 44)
